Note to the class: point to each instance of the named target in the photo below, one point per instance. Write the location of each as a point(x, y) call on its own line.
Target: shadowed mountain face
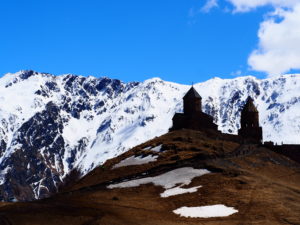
point(152, 181)
point(50, 125)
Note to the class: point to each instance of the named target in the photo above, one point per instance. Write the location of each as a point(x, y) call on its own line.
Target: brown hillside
point(263, 186)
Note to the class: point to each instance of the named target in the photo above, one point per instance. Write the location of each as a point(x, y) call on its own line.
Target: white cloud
point(278, 49)
point(279, 43)
point(236, 73)
point(209, 5)
point(247, 5)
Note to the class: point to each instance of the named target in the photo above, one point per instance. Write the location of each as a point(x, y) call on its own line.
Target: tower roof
point(249, 106)
point(192, 93)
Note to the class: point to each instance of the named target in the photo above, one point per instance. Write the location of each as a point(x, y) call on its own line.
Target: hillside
point(151, 183)
point(52, 124)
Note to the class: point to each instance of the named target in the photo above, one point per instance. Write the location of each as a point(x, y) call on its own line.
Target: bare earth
point(264, 187)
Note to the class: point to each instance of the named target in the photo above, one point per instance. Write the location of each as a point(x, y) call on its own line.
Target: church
point(249, 133)
point(193, 118)
point(250, 128)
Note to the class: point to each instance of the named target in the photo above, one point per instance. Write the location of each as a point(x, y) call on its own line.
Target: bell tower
point(192, 102)
point(250, 128)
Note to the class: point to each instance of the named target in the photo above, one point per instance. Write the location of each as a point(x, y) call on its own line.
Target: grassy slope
point(263, 186)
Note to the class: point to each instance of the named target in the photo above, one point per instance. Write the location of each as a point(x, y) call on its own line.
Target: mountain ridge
point(93, 119)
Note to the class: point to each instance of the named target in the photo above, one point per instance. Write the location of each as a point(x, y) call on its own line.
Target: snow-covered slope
point(52, 124)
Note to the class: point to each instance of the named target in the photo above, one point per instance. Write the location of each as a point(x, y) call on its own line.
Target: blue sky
point(132, 40)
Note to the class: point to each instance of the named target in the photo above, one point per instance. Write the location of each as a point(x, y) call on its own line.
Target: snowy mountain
point(52, 124)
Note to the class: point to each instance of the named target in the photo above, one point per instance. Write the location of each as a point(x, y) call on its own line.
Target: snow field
point(172, 181)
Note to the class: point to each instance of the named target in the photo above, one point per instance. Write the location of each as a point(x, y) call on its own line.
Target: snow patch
point(130, 161)
point(205, 211)
point(154, 149)
point(157, 148)
point(178, 191)
point(2, 175)
point(182, 176)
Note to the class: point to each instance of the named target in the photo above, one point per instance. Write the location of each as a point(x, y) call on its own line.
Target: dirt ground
point(264, 187)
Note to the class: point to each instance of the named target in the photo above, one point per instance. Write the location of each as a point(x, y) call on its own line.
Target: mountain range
point(51, 125)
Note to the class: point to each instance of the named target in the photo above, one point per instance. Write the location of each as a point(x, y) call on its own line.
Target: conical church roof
point(249, 106)
point(192, 93)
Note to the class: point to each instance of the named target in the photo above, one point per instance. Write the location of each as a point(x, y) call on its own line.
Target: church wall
point(290, 151)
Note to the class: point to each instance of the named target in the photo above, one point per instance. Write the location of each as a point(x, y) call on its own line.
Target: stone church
point(192, 116)
point(249, 132)
point(250, 128)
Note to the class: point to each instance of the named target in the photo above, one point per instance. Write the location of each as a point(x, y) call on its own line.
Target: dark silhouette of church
point(192, 116)
point(250, 131)
point(250, 128)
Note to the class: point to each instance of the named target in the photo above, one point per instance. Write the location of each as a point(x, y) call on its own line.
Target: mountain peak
point(153, 80)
